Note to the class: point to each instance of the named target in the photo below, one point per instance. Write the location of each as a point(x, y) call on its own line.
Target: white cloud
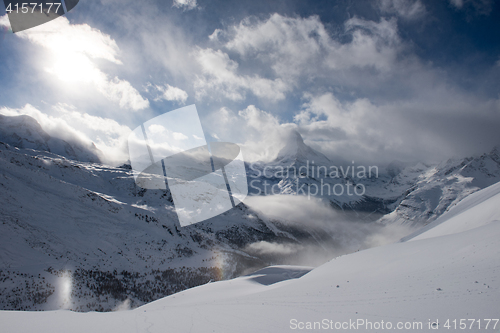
point(72, 49)
point(408, 9)
point(288, 45)
point(436, 125)
point(179, 136)
point(265, 134)
point(268, 248)
point(185, 4)
point(170, 93)
point(155, 128)
point(260, 134)
point(220, 75)
point(359, 103)
point(122, 92)
point(287, 52)
point(63, 37)
point(374, 44)
point(267, 58)
point(67, 123)
point(4, 21)
point(258, 119)
point(347, 235)
point(294, 46)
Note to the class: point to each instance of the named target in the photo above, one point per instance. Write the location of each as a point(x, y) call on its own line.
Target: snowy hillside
point(444, 278)
point(25, 132)
point(432, 190)
point(66, 220)
point(118, 241)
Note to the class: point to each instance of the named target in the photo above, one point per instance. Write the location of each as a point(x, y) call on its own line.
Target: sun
point(73, 67)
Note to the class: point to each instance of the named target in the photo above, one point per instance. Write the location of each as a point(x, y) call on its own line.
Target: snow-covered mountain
point(405, 194)
point(433, 190)
point(25, 132)
point(296, 151)
point(118, 241)
point(442, 278)
point(63, 218)
point(300, 170)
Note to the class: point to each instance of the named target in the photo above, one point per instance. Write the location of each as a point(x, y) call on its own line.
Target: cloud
point(355, 89)
point(170, 93)
point(433, 126)
point(156, 129)
point(265, 134)
point(374, 44)
point(288, 45)
point(121, 92)
point(67, 123)
point(292, 46)
point(457, 3)
point(478, 7)
point(260, 134)
point(288, 52)
point(268, 248)
point(185, 4)
point(72, 49)
point(4, 21)
point(346, 233)
point(407, 9)
point(179, 136)
point(220, 75)
point(62, 37)
point(358, 101)
point(430, 127)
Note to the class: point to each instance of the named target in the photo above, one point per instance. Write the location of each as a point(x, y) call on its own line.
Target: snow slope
point(63, 217)
point(449, 272)
point(474, 211)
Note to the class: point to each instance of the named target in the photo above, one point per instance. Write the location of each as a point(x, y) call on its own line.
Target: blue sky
point(370, 81)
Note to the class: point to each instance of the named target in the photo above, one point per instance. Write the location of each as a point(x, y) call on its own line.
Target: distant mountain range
point(404, 194)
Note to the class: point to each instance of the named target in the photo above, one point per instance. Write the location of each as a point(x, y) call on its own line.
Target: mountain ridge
point(24, 131)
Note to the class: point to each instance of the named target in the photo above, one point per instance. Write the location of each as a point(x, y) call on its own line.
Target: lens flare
point(65, 289)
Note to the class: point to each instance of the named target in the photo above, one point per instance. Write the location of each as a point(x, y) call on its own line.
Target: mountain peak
point(495, 153)
point(295, 150)
point(24, 131)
